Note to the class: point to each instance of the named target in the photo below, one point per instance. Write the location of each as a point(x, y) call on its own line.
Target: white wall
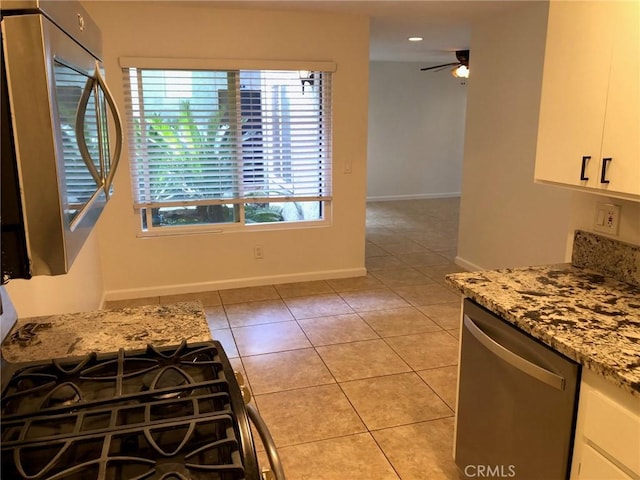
point(8, 316)
point(136, 267)
point(505, 219)
point(78, 291)
point(583, 212)
point(416, 132)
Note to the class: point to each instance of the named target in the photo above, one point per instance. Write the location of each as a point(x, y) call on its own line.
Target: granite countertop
point(105, 331)
point(590, 318)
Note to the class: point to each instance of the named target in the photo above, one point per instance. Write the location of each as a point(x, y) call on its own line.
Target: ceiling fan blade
point(439, 66)
point(446, 67)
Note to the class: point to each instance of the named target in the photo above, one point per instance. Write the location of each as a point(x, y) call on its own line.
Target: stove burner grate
point(135, 453)
point(162, 413)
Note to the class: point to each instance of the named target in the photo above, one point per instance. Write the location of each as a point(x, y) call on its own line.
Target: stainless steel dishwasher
point(516, 402)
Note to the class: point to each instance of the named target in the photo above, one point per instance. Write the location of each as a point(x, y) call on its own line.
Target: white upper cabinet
point(589, 127)
point(621, 137)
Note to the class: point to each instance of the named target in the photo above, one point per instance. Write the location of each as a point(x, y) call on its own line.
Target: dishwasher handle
point(267, 441)
point(531, 369)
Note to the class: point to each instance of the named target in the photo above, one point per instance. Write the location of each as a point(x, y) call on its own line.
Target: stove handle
point(267, 441)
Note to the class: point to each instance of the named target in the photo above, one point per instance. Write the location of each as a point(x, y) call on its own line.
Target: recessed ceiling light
point(415, 39)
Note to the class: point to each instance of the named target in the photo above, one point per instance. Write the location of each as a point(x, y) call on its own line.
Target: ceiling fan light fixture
point(460, 68)
point(461, 71)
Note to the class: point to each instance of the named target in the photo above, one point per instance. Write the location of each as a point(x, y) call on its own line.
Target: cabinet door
point(596, 467)
point(574, 91)
point(607, 436)
point(621, 138)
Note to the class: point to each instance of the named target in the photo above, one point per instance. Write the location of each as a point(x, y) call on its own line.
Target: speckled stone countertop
point(591, 318)
point(106, 331)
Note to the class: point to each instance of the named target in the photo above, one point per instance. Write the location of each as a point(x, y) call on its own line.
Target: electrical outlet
point(258, 252)
point(607, 218)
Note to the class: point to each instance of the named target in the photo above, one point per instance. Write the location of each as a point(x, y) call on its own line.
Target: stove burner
point(169, 471)
point(167, 378)
point(165, 413)
point(65, 394)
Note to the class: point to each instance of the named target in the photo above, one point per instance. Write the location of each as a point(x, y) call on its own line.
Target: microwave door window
point(75, 96)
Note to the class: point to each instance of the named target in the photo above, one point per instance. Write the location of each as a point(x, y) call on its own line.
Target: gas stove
point(170, 413)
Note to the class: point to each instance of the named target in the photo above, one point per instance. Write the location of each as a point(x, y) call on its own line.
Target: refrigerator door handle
point(512, 359)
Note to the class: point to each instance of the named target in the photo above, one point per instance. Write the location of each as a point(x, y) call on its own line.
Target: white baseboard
point(421, 196)
point(472, 267)
point(154, 291)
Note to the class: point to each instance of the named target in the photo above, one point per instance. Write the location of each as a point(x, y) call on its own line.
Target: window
point(228, 148)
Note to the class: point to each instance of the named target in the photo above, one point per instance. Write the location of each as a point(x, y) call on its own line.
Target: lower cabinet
point(607, 439)
point(594, 465)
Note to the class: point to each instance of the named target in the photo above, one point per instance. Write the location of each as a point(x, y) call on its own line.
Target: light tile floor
point(356, 377)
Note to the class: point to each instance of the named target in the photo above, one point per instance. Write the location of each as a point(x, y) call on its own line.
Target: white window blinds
point(206, 137)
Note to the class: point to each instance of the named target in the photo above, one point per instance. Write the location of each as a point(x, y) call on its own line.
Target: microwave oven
point(61, 135)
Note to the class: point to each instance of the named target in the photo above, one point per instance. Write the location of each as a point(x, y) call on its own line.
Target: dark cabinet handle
point(603, 173)
point(584, 167)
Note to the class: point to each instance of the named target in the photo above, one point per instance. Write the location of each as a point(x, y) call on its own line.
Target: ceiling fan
point(461, 67)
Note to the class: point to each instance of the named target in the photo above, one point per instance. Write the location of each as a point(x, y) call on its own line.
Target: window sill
point(159, 232)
